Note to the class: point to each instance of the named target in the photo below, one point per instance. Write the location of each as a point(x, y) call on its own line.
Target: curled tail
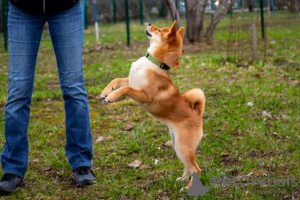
point(197, 100)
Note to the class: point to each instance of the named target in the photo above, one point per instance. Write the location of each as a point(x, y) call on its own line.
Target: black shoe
point(83, 176)
point(10, 183)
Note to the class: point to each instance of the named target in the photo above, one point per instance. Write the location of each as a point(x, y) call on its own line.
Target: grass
point(238, 139)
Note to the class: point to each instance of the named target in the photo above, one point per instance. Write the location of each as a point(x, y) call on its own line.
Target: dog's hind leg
point(187, 156)
point(186, 153)
point(116, 83)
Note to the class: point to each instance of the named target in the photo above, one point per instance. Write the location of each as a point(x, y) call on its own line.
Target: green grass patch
point(239, 139)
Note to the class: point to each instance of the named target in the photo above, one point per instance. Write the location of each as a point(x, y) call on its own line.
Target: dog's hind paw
point(184, 189)
point(181, 190)
point(179, 179)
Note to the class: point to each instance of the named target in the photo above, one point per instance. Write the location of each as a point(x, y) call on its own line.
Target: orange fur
point(152, 88)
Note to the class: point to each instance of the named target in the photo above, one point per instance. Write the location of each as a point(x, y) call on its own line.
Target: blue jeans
point(24, 33)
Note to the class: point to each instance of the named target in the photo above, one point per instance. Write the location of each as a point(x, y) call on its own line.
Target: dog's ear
point(181, 32)
point(173, 29)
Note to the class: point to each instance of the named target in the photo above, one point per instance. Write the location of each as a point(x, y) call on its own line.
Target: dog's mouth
point(147, 33)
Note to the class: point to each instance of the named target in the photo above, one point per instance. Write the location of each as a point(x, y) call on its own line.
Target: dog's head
point(165, 43)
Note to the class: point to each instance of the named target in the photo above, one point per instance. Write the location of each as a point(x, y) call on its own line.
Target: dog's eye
point(158, 30)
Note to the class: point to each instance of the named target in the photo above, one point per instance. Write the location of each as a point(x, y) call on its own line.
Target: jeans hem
point(81, 165)
point(15, 172)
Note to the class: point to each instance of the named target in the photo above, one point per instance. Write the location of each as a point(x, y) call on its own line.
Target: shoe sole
point(85, 183)
point(7, 191)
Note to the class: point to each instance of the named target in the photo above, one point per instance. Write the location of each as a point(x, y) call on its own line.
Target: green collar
point(161, 65)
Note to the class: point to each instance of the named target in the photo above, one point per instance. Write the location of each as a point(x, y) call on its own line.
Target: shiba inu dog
point(150, 85)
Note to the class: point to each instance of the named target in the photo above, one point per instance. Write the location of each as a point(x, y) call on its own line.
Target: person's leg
point(66, 34)
point(24, 33)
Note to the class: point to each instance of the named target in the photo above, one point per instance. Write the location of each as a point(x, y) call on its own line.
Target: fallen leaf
point(257, 75)
point(250, 104)
point(266, 114)
point(109, 137)
point(125, 198)
point(47, 168)
point(283, 116)
point(251, 68)
point(84, 51)
point(100, 139)
point(270, 126)
point(224, 155)
point(220, 70)
point(250, 174)
point(135, 164)
point(275, 135)
point(128, 127)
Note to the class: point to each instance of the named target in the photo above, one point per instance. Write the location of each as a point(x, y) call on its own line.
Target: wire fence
point(241, 34)
point(249, 37)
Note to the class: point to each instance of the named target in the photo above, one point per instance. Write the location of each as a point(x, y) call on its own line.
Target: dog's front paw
point(105, 93)
point(112, 97)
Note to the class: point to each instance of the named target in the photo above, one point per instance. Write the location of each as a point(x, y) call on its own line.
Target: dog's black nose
point(149, 24)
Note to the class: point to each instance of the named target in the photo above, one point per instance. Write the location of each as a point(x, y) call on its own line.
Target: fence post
point(85, 19)
point(115, 11)
point(141, 12)
point(254, 42)
point(262, 19)
point(4, 20)
point(163, 9)
point(127, 22)
point(96, 20)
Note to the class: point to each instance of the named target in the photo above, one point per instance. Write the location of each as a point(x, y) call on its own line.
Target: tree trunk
point(195, 13)
point(173, 10)
point(218, 15)
point(280, 4)
point(250, 5)
point(293, 5)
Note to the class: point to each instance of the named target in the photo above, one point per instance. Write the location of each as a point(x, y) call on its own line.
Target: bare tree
point(217, 16)
point(293, 5)
point(195, 13)
point(172, 8)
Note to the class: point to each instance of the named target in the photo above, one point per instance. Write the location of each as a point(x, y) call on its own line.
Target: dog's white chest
point(138, 73)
